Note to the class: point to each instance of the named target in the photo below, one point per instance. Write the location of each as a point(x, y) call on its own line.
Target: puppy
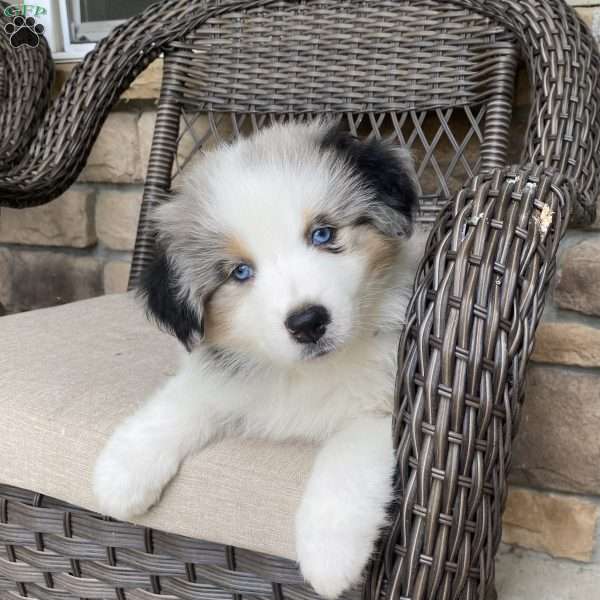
point(284, 267)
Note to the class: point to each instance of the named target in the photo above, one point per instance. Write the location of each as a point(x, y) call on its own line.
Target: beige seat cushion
point(69, 374)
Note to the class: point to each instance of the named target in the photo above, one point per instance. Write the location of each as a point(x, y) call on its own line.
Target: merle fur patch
point(160, 290)
point(385, 169)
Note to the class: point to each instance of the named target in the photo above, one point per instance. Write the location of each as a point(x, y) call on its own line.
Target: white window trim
point(56, 29)
point(70, 50)
point(56, 23)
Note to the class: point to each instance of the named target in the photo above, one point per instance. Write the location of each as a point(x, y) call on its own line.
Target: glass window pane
point(92, 20)
point(112, 10)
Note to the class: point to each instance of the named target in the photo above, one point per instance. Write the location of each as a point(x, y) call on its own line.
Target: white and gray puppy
point(285, 268)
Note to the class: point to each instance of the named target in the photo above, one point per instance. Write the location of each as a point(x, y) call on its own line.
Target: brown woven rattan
point(25, 80)
point(434, 75)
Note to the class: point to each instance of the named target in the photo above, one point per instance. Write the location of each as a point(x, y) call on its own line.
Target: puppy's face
point(281, 246)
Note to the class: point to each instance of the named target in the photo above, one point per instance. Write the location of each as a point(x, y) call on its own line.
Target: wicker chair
point(25, 80)
point(439, 77)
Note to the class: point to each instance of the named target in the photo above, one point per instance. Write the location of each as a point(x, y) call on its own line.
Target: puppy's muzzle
point(308, 325)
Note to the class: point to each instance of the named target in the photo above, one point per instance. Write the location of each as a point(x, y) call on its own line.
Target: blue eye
point(322, 235)
point(242, 272)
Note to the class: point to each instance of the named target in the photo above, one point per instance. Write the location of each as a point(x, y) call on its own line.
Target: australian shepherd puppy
point(284, 267)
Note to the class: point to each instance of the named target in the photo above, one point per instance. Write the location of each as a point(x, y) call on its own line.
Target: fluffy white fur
point(262, 383)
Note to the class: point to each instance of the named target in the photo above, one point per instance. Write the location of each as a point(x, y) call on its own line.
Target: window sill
point(145, 87)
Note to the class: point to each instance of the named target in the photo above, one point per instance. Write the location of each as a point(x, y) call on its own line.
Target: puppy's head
point(281, 246)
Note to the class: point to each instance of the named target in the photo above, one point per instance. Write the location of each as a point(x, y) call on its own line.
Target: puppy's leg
point(145, 451)
point(344, 505)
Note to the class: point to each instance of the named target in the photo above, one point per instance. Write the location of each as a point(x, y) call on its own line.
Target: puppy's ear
point(164, 305)
point(387, 169)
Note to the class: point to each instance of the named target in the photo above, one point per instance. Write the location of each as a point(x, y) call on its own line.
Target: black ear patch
point(383, 168)
point(159, 289)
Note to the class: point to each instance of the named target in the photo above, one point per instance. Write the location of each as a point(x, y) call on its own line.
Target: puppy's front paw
point(127, 480)
point(333, 547)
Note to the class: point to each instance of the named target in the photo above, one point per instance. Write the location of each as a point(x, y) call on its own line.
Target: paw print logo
point(24, 32)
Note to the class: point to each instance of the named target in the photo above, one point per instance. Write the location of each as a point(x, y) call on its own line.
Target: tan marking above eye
point(309, 222)
point(236, 253)
point(236, 250)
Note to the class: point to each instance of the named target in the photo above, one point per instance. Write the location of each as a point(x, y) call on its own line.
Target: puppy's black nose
point(308, 325)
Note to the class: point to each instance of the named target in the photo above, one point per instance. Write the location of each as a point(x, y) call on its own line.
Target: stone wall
point(80, 246)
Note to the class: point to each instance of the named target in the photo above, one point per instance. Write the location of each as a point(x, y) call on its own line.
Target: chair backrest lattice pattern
point(445, 143)
point(437, 79)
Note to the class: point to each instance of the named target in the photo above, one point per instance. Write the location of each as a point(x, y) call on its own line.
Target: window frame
point(57, 23)
point(70, 50)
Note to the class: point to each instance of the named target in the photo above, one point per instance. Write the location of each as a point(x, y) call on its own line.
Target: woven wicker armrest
point(25, 80)
point(60, 148)
point(479, 296)
point(478, 299)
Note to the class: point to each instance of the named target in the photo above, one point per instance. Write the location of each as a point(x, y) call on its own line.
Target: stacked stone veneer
point(80, 246)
